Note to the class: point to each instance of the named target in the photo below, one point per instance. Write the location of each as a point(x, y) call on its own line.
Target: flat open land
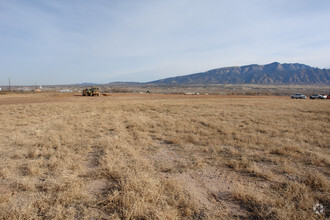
point(148, 156)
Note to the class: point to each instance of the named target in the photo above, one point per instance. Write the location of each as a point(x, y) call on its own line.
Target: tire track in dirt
point(97, 185)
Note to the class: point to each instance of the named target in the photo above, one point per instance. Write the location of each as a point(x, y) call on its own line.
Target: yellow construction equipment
point(94, 91)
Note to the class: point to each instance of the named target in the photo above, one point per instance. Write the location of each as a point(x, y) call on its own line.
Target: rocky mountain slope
point(273, 73)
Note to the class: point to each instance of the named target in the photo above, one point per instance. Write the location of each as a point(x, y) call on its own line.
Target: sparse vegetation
point(128, 156)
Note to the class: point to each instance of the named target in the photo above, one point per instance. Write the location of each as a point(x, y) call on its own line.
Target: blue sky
point(74, 41)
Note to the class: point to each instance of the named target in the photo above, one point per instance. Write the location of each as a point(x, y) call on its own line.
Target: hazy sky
point(74, 41)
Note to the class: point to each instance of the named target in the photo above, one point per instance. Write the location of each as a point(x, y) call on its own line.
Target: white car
point(323, 96)
point(317, 96)
point(298, 96)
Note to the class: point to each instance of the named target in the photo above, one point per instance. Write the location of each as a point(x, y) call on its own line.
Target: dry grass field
point(127, 156)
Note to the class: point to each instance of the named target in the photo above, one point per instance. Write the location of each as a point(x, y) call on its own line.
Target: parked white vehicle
point(318, 96)
point(298, 96)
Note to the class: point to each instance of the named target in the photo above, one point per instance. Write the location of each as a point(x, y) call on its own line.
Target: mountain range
point(273, 73)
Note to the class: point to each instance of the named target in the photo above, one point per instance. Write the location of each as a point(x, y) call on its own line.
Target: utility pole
point(9, 85)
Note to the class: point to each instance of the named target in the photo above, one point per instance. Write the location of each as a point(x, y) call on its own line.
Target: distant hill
point(87, 84)
point(273, 73)
point(124, 83)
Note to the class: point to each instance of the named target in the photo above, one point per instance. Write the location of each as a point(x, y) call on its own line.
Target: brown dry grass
point(163, 157)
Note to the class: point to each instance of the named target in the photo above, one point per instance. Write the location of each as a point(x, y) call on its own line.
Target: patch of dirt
point(91, 161)
point(168, 161)
point(166, 155)
point(212, 188)
point(97, 186)
point(5, 192)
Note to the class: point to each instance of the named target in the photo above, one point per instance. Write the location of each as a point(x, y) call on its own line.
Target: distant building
point(24, 89)
point(191, 93)
point(65, 90)
point(0, 89)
